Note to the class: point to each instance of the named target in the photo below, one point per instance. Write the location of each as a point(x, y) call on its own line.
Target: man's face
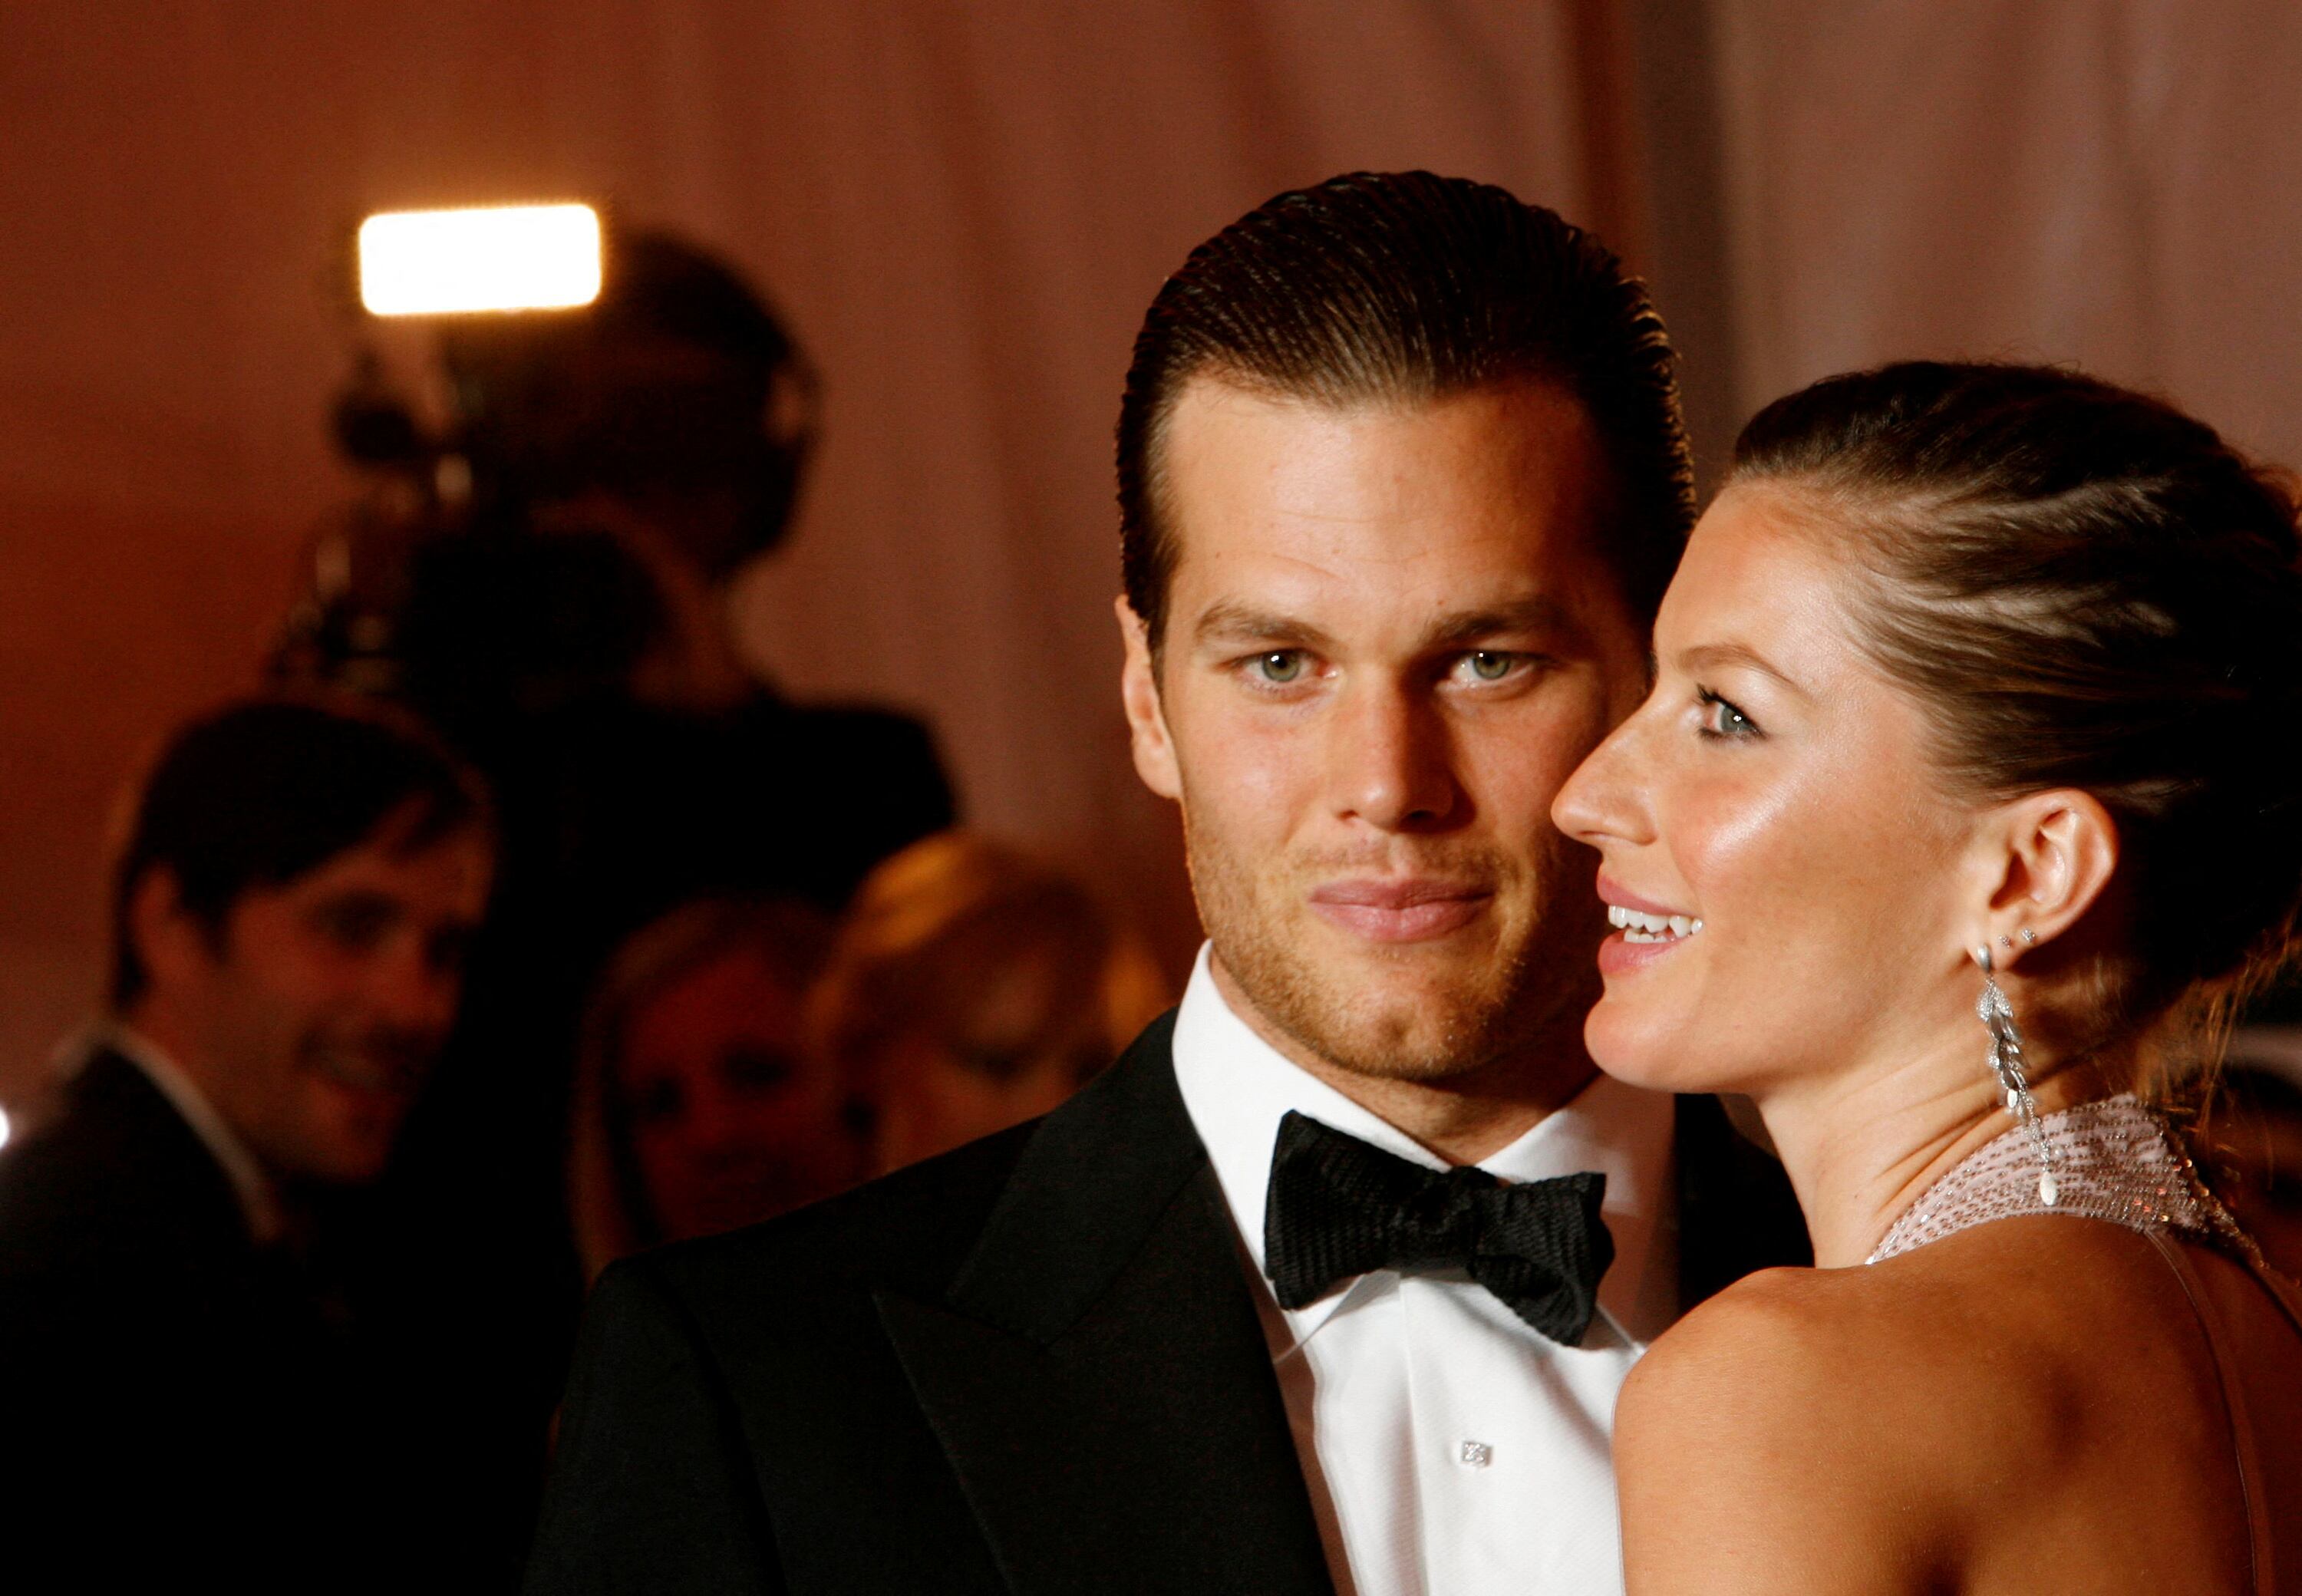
point(1390, 636)
point(313, 1020)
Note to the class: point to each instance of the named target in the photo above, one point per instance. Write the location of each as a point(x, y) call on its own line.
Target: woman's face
point(1770, 815)
point(733, 1118)
point(1025, 1043)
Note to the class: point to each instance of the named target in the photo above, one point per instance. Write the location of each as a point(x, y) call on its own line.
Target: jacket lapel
point(1097, 1374)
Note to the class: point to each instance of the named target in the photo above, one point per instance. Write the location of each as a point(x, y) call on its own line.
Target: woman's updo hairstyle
point(2083, 587)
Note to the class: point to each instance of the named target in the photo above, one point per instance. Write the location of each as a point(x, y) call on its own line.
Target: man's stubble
point(1517, 989)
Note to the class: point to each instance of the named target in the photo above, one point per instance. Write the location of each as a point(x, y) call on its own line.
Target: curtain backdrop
point(963, 208)
point(2111, 182)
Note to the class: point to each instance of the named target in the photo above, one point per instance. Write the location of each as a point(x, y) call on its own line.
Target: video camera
point(592, 385)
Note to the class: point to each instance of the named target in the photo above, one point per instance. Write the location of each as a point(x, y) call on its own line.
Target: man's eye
point(1280, 666)
point(356, 922)
point(1489, 665)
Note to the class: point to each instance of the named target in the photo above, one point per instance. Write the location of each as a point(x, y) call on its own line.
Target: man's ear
point(1147, 720)
point(2053, 853)
point(170, 942)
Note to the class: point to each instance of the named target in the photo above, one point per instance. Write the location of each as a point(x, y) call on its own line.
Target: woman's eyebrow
point(1715, 656)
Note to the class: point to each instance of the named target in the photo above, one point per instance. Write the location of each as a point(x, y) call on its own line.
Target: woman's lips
point(1617, 956)
point(1613, 892)
point(1407, 910)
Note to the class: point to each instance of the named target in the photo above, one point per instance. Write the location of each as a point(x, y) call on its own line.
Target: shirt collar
point(1236, 1087)
point(258, 1200)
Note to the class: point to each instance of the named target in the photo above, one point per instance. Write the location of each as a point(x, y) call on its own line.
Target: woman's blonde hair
point(931, 926)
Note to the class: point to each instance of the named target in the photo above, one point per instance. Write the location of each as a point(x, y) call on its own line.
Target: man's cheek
point(1258, 780)
point(1528, 768)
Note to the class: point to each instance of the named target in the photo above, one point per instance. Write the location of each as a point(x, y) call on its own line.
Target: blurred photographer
point(561, 617)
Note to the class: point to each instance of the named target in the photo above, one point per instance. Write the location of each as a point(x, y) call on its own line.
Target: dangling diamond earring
point(1997, 1016)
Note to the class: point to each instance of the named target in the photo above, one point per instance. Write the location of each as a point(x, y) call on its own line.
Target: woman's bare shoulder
point(1845, 1429)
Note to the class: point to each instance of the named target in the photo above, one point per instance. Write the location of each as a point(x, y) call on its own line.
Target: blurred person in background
point(629, 461)
point(190, 1396)
point(2257, 1135)
point(567, 628)
point(698, 1106)
point(974, 988)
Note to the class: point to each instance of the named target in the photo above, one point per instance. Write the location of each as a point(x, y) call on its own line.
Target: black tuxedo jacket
point(177, 1404)
point(1032, 1366)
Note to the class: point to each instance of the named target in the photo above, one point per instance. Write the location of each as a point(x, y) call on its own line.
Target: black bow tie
point(1338, 1207)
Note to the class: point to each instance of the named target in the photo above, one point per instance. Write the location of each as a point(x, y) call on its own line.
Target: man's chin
point(1417, 1013)
point(350, 1133)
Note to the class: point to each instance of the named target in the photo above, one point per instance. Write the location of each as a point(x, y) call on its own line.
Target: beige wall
point(2114, 182)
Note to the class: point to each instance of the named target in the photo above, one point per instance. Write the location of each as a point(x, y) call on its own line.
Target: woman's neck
point(1864, 1143)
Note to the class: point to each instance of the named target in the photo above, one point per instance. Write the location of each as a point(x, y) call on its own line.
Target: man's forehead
point(1480, 501)
point(396, 860)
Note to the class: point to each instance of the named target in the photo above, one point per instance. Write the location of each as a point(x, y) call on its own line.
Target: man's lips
point(1400, 908)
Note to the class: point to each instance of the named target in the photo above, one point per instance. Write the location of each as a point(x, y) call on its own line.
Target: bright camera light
point(4, 1126)
point(496, 258)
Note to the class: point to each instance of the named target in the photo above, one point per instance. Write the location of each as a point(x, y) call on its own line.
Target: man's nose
point(1394, 760)
point(412, 993)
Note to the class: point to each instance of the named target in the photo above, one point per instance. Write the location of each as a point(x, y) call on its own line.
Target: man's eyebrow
point(1230, 621)
point(1537, 614)
point(1715, 656)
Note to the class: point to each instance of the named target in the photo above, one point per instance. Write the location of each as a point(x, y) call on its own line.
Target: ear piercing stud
point(2028, 935)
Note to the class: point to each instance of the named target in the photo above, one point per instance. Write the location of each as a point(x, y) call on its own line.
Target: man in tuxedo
point(187, 1400)
point(1330, 1282)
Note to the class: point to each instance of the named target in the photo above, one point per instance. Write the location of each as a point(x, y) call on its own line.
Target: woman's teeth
point(1651, 927)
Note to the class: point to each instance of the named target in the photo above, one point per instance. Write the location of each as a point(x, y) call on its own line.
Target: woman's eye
point(1280, 667)
point(756, 1070)
point(1722, 718)
point(1487, 665)
point(657, 1101)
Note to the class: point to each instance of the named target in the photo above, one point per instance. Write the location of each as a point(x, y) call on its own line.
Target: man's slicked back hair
point(1406, 287)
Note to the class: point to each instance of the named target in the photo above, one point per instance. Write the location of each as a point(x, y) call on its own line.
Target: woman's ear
point(2056, 852)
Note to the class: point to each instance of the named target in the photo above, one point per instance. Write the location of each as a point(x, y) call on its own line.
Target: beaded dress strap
point(2114, 1159)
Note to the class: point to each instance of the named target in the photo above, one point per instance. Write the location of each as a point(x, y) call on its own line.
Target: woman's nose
point(1606, 799)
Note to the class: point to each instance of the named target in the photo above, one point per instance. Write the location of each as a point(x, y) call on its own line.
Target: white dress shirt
point(1451, 1449)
